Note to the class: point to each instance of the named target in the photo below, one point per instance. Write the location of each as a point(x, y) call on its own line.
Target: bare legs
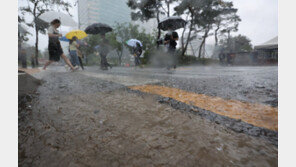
point(66, 60)
point(47, 64)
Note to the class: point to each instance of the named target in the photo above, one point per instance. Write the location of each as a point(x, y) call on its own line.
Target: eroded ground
point(78, 120)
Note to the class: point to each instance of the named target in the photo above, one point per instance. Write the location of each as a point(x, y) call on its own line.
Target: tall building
point(103, 11)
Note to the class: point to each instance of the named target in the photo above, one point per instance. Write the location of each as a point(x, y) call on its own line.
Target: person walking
point(73, 52)
point(137, 53)
point(24, 58)
point(104, 50)
point(80, 54)
point(54, 46)
point(33, 61)
point(80, 57)
point(171, 42)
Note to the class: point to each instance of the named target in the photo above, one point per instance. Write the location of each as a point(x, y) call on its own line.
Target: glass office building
point(103, 11)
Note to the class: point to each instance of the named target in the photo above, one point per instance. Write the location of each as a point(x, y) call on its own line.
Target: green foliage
point(203, 16)
point(92, 41)
point(204, 12)
point(93, 59)
point(35, 9)
point(190, 60)
point(22, 37)
point(145, 10)
point(238, 43)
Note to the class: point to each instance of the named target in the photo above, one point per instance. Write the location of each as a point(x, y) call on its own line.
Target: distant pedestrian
point(80, 54)
point(73, 47)
point(137, 53)
point(222, 58)
point(230, 58)
point(54, 46)
point(104, 50)
point(24, 58)
point(80, 58)
point(33, 61)
point(172, 45)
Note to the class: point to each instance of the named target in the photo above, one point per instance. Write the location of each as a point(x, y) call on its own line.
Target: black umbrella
point(172, 23)
point(98, 28)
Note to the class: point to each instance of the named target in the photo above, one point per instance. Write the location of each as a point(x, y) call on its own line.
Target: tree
point(36, 8)
point(227, 22)
point(145, 10)
point(199, 14)
point(22, 37)
point(238, 43)
point(202, 15)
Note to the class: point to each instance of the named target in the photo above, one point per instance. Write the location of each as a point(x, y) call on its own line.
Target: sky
point(259, 21)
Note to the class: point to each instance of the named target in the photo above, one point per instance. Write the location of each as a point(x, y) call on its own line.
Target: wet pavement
point(91, 118)
point(248, 84)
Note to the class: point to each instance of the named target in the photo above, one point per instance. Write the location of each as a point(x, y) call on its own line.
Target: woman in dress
point(54, 46)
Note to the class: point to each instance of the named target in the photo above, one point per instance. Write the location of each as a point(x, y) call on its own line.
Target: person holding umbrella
point(137, 53)
point(73, 47)
point(80, 57)
point(80, 53)
point(54, 46)
point(75, 53)
point(171, 24)
point(172, 43)
point(136, 49)
point(104, 50)
point(102, 29)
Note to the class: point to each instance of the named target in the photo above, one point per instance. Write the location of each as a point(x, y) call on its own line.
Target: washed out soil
point(80, 121)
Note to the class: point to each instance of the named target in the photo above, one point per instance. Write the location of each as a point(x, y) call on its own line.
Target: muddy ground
point(77, 120)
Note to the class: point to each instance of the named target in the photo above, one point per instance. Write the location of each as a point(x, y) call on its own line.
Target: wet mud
point(82, 121)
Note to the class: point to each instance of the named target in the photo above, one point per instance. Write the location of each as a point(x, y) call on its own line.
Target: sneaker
point(75, 68)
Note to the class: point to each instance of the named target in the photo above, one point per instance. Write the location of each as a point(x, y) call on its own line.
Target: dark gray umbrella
point(98, 28)
point(172, 23)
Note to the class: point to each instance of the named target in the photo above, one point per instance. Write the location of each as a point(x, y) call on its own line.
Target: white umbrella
point(64, 18)
point(133, 42)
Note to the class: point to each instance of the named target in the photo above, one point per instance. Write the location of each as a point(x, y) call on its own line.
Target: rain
point(145, 83)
